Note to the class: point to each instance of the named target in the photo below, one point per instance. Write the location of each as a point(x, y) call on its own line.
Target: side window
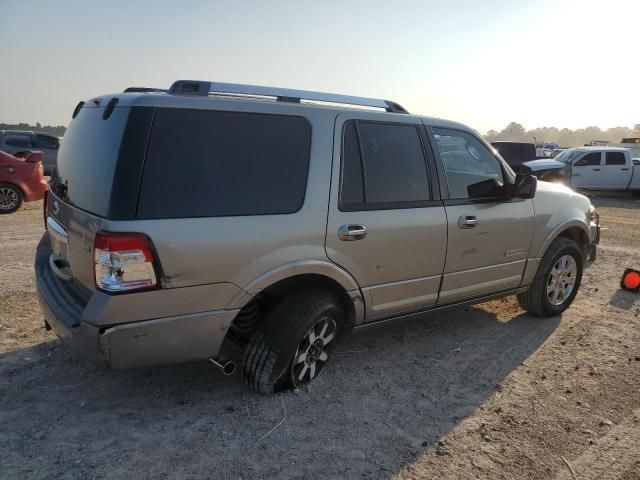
point(45, 141)
point(615, 158)
point(471, 169)
point(383, 166)
point(219, 163)
point(592, 158)
point(20, 141)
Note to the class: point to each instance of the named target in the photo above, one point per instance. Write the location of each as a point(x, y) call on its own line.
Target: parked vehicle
point(182, 223)
point(21, 180)
point(515, 153)
point(14, 141)
point(590, 168)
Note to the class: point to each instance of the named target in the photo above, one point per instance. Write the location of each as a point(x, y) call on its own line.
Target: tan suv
point(186, 222)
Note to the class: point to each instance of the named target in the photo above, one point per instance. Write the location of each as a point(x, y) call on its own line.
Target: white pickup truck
point(590, 168)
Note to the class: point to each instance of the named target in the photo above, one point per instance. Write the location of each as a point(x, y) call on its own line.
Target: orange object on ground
point(630, 280)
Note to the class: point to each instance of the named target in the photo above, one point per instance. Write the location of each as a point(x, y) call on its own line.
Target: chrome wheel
point(313, 352)
point(8, 198)
point(562, 279)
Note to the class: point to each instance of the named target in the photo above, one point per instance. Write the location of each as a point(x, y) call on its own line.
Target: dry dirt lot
point(486, 392)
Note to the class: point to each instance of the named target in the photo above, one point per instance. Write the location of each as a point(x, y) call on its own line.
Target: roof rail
point(204, 88)
point(142, 90)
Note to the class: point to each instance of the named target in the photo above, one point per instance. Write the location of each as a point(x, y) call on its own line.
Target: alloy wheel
point(313, 352)
point(8, 198)
point(562, 279)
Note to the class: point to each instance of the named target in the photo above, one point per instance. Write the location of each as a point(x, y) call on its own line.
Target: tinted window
point(515, 153)
point(592, 158)
point(352, 186)
point(203, 163)
point(45, 141)
point(467, 163)
point(20, 141)
point(88, 156)
point(616, 158)
point(390, 159)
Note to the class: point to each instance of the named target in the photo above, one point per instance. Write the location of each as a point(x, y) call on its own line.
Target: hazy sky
point(557, 63)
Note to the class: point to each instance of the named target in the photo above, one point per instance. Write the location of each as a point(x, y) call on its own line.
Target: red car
point(21, 179)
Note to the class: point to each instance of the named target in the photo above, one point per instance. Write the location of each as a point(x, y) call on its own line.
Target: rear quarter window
point(203, 163)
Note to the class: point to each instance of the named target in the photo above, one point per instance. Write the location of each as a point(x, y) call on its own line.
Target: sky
point(563, 63)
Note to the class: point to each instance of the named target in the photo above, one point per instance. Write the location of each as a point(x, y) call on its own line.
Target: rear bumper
point(165, 340)
point(34, 190)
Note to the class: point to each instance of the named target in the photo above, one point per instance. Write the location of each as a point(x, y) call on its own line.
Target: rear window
point(515, 153)
point(616, 158)
point(383, 167)
point(203, 163)
point(87, 159)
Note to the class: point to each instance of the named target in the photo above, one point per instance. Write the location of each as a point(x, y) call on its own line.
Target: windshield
point(567, 156)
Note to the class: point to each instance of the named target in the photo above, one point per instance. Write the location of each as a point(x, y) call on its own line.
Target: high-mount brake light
point(123, 262)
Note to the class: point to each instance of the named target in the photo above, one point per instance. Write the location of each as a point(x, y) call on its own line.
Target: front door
point(386, 224)
point(587, 171)
point(489, 236)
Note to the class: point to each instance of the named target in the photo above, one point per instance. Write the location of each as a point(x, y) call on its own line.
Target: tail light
point(123, 262)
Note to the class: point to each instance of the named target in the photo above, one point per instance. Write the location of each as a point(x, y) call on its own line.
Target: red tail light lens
point(123, 262)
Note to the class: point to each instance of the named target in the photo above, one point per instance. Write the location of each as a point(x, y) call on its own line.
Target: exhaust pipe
point(225, 365)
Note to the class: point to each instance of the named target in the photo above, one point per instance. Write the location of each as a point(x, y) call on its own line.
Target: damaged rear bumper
point(175, 339)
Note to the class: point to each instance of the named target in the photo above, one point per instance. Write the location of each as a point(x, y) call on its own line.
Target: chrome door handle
point(467, 221)
point(352, 232)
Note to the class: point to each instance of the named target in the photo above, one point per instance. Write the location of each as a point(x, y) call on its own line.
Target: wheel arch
point(575, 230)
point(304, 274)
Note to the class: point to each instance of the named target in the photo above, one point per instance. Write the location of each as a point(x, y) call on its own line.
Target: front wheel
point(294, 342)
point(557, 281)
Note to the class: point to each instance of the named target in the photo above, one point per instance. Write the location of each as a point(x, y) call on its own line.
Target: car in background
point(21, 180)
point(590, 168)
point(515, 153)
point(14, 141)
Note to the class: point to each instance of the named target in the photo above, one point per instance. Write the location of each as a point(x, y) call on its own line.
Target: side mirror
point(486, 189)
point(524, 186)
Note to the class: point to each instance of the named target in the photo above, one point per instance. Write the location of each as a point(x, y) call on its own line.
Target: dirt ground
point(486, 392)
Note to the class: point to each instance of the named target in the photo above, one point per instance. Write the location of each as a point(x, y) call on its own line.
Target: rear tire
point(557, 280)
point(10, 198)
point(298, 334)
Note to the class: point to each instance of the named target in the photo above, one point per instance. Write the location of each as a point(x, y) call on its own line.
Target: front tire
point(557, 281)
point(294, 342)
point(10, 198)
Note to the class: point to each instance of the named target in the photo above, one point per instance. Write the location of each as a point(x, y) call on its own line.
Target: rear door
point(489, 235)
point(616, 172)
point(386, 224)
point(587, 171)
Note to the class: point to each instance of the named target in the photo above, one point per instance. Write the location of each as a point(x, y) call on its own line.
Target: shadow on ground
point(390, 393)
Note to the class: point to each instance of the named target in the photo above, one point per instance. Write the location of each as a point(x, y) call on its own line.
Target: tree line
point(564, 137)
point(57, 131)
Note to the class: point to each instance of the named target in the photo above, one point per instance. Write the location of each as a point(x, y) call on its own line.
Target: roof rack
point(142, 90)
point(204, 88)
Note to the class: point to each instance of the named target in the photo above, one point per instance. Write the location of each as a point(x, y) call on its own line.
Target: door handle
point(349, 233)
point(467, 221)
point(596, 169)
point(625, 169)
